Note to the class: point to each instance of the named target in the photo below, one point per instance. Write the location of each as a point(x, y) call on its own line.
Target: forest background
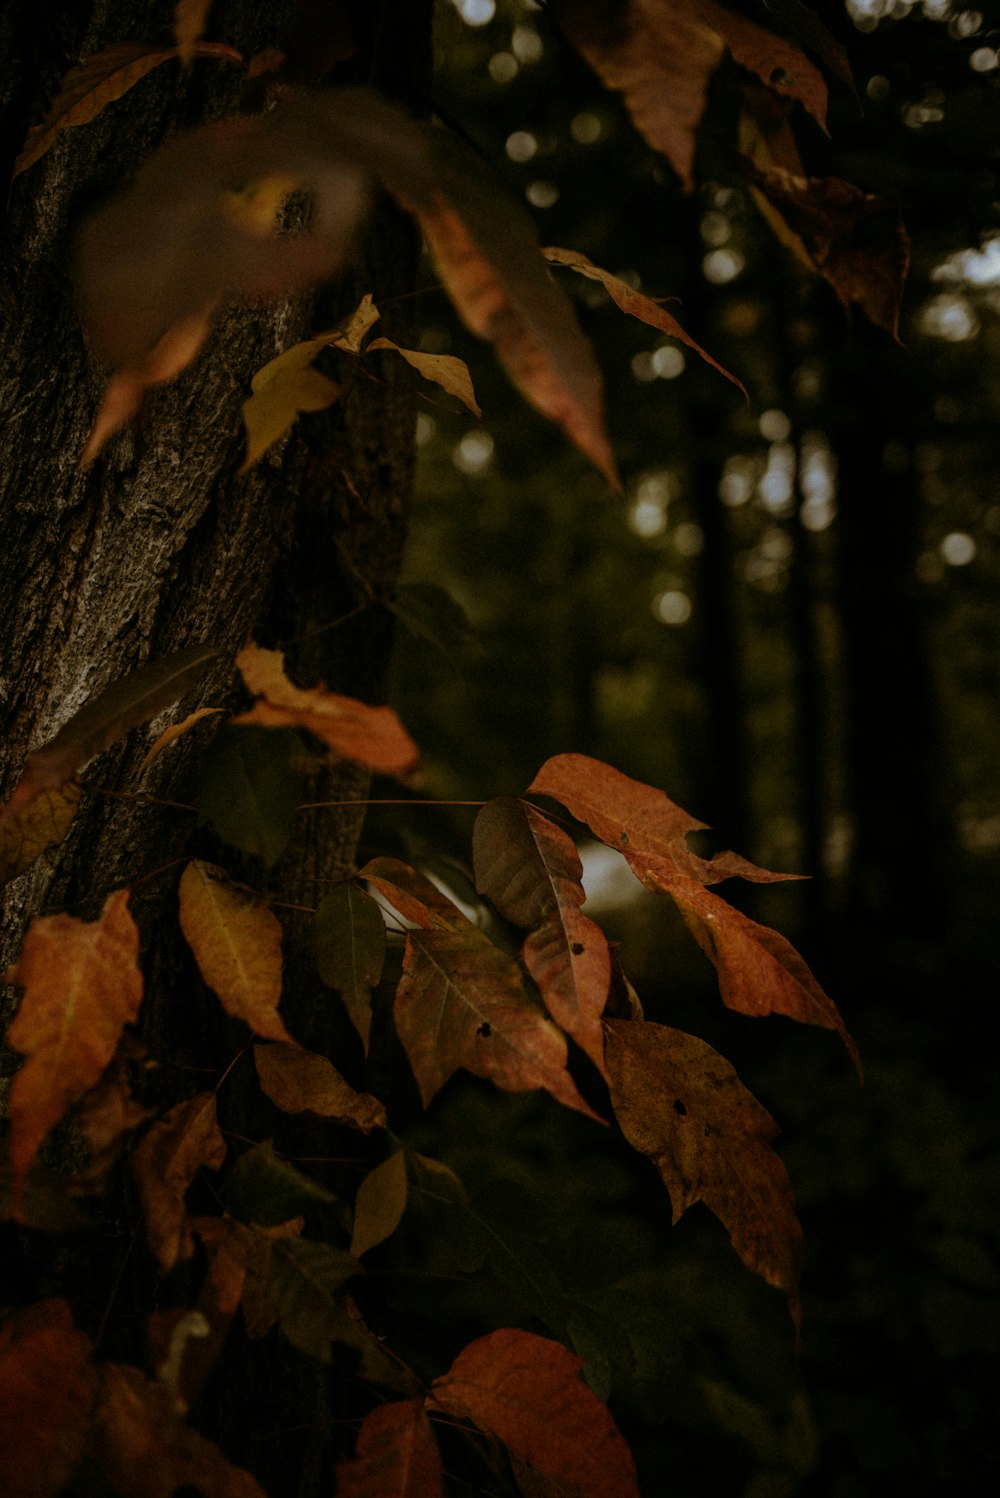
point(792, 626)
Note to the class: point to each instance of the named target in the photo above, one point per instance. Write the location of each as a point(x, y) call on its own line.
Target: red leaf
point(47, 1395)
point(164, 1165)
point(397, 1456)
point(530, 870)
point(759, 971)
point(526, 1390)
point(683, 1105)
point(413, 895)
point(82, 986)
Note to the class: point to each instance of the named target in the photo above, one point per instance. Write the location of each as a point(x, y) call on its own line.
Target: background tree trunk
point(161, 543)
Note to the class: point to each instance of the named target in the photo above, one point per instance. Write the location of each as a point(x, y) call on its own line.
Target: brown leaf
point(300, 1081)
point(103, 721)
point(379, 1204)
point(82, 987)
point(443, 369)
point(190, 17)
point(236, 943)
point(661, 59)
point(97, 82)
point(856, 241)
point(759, 971)
point(530, 870)
point(165, 1163)
point(347, 936)
point(146, 1451)
point(370, 736)
point(397, 1456)
point(646, 309)
point(176, 731)
point(682, 1104)
point(41, 819)
point(413, 895)
point(48, 1390)
point(107, 1113)
point(487, 254)
point(527, 1391)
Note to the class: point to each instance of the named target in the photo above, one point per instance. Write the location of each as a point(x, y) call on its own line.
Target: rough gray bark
point(162, 543)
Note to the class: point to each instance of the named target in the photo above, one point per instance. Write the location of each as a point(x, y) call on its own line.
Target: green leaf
point(348, 941)
point(249, 788)
point(264, 1188)
point(380, 1204)
point(430, 613)
point(305, 1284)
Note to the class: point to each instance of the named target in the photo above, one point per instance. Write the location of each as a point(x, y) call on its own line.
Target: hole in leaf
point(781, 78)
point(679, 1107)
point(485, 1029)
point(577, 949)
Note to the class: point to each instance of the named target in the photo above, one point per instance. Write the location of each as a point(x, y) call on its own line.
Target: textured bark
point(162, 543)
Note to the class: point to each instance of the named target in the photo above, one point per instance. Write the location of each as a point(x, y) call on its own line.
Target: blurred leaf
point(236, 941)
point(164, 1164)
point(106, 1113)
point(682, 1104)
point(82, 985)
point(397, 1456)
point(264, 1189)
point(299, 1081)
point(527, 1391)
point(48, 1389)
point(249, 789)
point(190, 17)
point(347, 934)
point(430, 613)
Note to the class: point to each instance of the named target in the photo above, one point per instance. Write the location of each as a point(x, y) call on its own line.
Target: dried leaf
point(443, 369)
point(165, 1163)
point(379, 1204)
point(526, 1390)
point(413, 895)
point(42, 820)
point(370, 736)
point(176, 731)
point(42, 1200)
point(82, 986)
point(397, 1456)
point(487, 254)
point(97, 82)
point(759, 971)
point(48, 1390)
point(283, 388)
point(146, 1451)
point(266, 1190)
point(682, 1104)
point(531, 871)
point(190, 17)
point(249, 788)
point(236, 943)
point(662, 58)
point(348, 942)
point(107, 1113)
point(305, 1283)
point(105, 719)
point(645, 308)
point(300, 1081)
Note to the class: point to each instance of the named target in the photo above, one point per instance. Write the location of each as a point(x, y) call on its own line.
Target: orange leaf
point(146, 1450)
point(47, 1395)
point(759, 971)
point(527, 1391)
point(299, 1081)
point(82, 987)
point(530, 870)
point(97, 82)
point(236, 943)
point(682, 1104)
point(379, 1204)
point(165, 1163)
point(176, 731)
point(651, 312)
point(397, 1456)
point(370, 736)
point(413, 895)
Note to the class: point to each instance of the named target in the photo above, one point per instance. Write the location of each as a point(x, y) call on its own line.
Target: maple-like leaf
point(530, 869)
point(347, 934)
point(164, 1165)
point(646, 309)
point(370, 736)
point(661, 58)
point(82, 987)
point(98, 81)
point(48, 1389)
point(397, 1456)
point(236, 941)
point(527, 1391)
point(380, 1204)
point(145, 1449)
point(759, 971)
point(299, 1081)
point(682, 1104)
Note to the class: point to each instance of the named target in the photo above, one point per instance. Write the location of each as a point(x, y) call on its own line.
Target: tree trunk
point(162, 543)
